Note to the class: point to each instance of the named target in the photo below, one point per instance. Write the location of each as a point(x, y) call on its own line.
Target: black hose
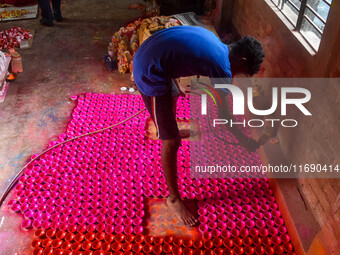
point(16, 179)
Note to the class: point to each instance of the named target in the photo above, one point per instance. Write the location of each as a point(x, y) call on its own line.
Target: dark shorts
point(161, 111)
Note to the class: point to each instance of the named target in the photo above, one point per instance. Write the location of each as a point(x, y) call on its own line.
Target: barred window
point(308, 17)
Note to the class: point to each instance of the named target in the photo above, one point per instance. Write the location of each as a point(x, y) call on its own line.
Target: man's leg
point(225, 113)
point(161, 110)
point(183, 133)
point(174, 201)
point(175, 93)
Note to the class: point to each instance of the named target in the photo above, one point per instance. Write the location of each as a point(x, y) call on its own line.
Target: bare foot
point(182, 212)
point(184, 133)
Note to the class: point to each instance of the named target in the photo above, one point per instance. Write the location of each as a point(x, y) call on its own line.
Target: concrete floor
point(65, 60)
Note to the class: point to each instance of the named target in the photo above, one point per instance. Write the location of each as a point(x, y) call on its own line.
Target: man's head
point(246, 56)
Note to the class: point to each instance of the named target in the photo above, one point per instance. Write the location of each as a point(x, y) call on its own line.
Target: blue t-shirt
point(179, 52)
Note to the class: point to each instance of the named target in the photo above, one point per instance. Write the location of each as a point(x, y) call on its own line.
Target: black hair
point(251, 49)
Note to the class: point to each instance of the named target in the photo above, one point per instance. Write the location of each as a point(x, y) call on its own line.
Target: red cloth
point(18, 2)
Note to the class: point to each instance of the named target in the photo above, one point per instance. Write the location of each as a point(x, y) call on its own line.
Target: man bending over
point(179, 52)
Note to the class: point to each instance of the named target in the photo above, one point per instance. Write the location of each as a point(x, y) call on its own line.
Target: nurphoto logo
point(239, 105)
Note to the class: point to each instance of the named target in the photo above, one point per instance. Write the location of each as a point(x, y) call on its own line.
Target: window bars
point(307, 16)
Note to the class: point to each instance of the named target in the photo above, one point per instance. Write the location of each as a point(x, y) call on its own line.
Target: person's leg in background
point(56, 10)
point(46, 13)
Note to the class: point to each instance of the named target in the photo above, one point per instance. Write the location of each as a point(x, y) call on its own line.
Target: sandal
point(46, 23)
